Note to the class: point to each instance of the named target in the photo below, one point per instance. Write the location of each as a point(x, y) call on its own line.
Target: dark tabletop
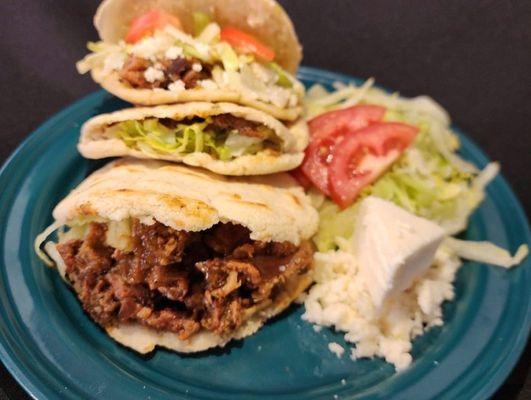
point(474, 57)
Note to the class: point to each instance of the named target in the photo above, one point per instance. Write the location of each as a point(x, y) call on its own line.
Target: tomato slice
point(148, 23)
point(246, 43)
point(301, 178)
point(360, 157)
point(326, 130)
point(315, 164)
point(347, 119)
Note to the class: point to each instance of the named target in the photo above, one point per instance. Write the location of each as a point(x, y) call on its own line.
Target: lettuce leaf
point(487, 252)
point(151, 136)
point(201, 20)
point(228, 57)
point(282, 76)
point(430, 180)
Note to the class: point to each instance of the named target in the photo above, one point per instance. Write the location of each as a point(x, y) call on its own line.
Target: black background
point(474, 57)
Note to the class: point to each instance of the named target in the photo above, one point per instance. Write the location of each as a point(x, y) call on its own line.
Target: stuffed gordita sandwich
point(225, 138)
point(164, 255)
point(165, 51)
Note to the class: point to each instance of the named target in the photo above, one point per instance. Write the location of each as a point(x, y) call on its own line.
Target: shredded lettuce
point(228, 57)
point(430, 180)
point(231, 70)
point(211, 34)
point(118, 235)
point(319, 100)
point(96, 46)
point(191, 51)
point(40, 239)
point(426, 183)
point(240, 145)
point(109, 56)
point(486, 252)
point(151, 136)
point(201, 20)
point(282, 76)
point(334, 224)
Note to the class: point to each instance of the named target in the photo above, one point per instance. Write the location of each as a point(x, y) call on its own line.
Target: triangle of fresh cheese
point(393, 247)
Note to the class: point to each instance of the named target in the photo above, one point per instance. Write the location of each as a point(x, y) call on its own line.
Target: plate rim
point(33, 386)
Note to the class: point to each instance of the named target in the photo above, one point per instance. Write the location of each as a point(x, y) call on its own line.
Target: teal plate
point(55, 351)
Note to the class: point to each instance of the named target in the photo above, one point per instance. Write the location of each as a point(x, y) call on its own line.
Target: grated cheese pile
point(341, 301)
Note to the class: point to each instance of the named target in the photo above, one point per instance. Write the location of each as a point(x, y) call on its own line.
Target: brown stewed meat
point(179, 281)
point(133, 72)
point(228, 122)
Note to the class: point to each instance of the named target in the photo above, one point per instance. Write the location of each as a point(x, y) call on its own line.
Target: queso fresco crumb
point(340, 300)
point(336, 348)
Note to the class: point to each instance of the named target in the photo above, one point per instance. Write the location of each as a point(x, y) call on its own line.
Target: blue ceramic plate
point(55, 351)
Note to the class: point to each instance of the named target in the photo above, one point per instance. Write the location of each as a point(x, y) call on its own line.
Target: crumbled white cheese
point(178, 34)
point(277, 95)
point(173, 52)
point(152, 46)
point(113, 62)
point(336, 348)
point(177, 86)
point(208, 84)
point(171, 43)
point(153, 74)
point(262, 73)
point(341, 300)
point(250, 86)
point(317, 328)
point(202, 49)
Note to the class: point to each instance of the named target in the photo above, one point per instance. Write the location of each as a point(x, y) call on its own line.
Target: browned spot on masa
point(179, 222)
point(86, 209)
point(193, 208)
point(295, 199)
point(252, 203)
point(172, 201)
point(120, 162)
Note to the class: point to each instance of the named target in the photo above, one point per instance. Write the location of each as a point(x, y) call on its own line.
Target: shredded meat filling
point(179, 281)
point(228, 122)
point(133, 72)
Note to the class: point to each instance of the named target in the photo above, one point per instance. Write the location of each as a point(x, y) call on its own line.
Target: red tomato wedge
point(345, 120)
point(316, 161)
point(326, 130)
point(301, 178)
point(148, 23)
point(360, 157)
point(246, 43)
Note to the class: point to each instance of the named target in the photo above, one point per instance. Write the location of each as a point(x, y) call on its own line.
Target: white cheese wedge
point(393, 247)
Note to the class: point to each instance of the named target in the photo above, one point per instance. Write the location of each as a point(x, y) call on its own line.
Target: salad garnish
point(429, 178)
